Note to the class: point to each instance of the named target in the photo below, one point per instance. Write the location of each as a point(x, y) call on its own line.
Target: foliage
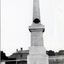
point(3, 56)
point(50, 53)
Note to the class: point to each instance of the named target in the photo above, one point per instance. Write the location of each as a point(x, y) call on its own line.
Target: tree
point(3, 56)
point(61, 52)
point(50, 53)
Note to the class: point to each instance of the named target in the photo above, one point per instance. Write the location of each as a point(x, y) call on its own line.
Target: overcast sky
point(17, 15)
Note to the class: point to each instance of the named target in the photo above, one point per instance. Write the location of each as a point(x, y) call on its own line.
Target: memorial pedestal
point(37, 55)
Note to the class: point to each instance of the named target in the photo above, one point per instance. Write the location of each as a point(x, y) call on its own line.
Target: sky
point(17, 16)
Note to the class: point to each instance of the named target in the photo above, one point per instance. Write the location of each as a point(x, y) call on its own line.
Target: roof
point(15, 55)
point(23, 51)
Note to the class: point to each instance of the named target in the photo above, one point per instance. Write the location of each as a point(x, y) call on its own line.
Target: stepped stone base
point(37, 59)
point(37, 55)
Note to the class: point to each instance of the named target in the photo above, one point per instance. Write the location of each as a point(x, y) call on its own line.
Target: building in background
point(20, 57)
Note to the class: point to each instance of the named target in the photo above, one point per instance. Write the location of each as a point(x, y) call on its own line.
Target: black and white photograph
point(32, 32)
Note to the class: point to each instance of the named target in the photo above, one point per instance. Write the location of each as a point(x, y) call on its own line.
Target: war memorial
point(37, 52)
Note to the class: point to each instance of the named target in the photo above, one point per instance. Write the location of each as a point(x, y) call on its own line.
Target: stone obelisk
point(37, 52)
